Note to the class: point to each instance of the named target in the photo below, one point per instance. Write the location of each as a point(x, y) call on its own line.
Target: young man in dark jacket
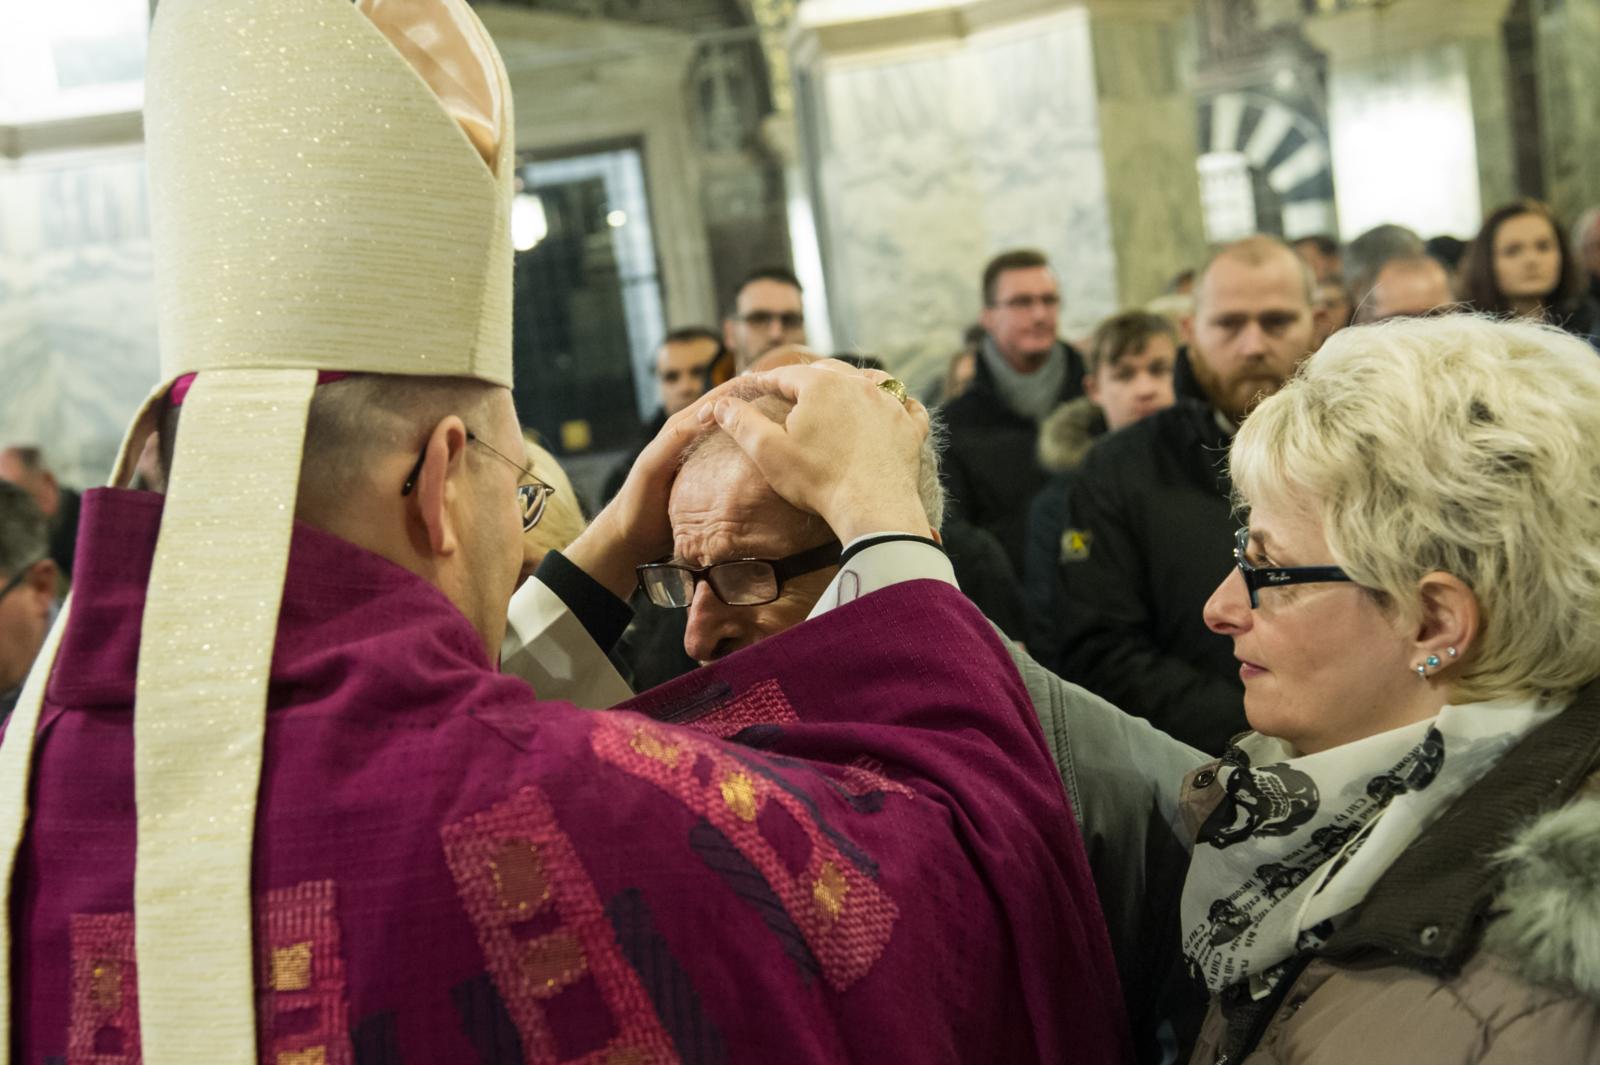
point(1151, 506)
point(1024, 370)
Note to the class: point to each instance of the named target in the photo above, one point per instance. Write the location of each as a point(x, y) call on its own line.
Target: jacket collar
point(983, 379)
point(1429, 911)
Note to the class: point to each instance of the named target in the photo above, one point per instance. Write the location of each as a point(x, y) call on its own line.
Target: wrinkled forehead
point(721, 507)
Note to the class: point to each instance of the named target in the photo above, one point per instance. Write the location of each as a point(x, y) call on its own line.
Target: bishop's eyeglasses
point(531, 497)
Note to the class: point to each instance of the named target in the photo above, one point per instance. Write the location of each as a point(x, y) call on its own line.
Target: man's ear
point(1186, 326)
point(727, 335)
point(986, 319)
point(44, 577)
point(1091, 388)
point(439, 485)
point(1449, 620)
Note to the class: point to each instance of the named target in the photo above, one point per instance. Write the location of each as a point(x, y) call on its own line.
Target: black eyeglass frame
point(1259, 577)
point(790, 320)
point(532, 497)
point(783, 570)
point(18, 578)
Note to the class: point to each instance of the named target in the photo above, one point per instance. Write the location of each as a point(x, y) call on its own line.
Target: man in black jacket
point(1153, 509)
point(1024, 370)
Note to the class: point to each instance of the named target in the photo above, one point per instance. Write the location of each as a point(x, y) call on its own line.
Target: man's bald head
point(1252, 322)
point(722, 509)
point(1410, 286)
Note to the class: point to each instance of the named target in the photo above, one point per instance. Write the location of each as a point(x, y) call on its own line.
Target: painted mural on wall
point(77, 308)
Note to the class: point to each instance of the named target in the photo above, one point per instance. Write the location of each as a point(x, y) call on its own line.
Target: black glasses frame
point(790, 320)
point(531, 497)
point(1258, 577)
point(783, 569)
point(21, 575)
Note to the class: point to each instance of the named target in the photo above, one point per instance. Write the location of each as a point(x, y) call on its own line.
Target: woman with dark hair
point(1520, 265)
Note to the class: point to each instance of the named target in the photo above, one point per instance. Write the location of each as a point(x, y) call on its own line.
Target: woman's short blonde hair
point(1460, 445)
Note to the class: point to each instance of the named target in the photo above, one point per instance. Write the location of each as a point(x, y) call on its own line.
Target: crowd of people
point(1220, 689)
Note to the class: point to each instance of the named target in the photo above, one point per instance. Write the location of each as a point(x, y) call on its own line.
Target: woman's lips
point(1250, 669)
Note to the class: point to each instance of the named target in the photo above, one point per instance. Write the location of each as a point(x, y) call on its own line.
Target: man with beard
point(1153, 503)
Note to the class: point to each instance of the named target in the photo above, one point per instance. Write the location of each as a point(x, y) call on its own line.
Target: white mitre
point(330, 191)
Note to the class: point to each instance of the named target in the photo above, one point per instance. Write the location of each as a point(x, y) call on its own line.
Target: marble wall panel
point(934, 159)
point(77, 307)
point(1405, 142)
point(1569, 85)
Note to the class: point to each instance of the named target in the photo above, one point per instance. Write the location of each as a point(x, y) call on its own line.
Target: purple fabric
point(879, 866)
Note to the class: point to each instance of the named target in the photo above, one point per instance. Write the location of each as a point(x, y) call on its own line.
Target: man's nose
point(711, 626)
point(1253, 340)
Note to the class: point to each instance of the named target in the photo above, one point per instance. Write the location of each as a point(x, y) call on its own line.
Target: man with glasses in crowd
point(28, 579)
point(767, 314)
point(1024, 372)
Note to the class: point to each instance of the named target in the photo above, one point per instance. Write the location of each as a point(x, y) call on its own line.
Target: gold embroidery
point(309, 1056)
point(105, 990)
point(519, 876)
point(829, 891)
point(627, 1056)
point(291, 967)
point(650, 747)
point(554, 962)
point(740, 795)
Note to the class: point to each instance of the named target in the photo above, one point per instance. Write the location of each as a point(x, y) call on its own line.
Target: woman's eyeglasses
point(1258, 577)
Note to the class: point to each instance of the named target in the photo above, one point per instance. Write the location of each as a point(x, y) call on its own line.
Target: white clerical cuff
point(547, 646)
point(877, 565)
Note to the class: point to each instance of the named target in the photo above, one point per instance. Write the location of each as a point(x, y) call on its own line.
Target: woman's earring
point(1451, 651)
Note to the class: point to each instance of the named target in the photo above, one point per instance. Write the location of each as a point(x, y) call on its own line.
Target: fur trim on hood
point(1549, 927)
point(1067, 432)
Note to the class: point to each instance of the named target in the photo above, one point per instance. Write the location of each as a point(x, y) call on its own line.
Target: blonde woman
point(1401, 863)
point(563, 517)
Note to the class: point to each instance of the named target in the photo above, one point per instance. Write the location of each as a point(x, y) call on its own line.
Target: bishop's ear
point(441, 485)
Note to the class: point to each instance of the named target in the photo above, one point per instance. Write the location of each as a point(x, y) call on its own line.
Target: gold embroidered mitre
point(330, 190)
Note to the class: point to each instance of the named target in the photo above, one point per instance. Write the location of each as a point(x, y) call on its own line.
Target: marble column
point(938, 134)
point(1569, 86)
point(1418, 114)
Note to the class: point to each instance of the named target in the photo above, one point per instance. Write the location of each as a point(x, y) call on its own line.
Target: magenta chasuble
point(848, 844)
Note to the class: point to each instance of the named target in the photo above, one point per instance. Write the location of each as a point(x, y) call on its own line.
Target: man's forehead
point(692, 351)
point(1235, 284)
point(1025, 279)
point(766, 292)
point(721, 505)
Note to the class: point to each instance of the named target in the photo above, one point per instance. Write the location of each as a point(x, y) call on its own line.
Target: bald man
point(1154, 516)
point(1411, 286)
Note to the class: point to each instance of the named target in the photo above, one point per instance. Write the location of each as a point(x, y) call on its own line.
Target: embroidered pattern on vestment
point(844, 918)
point(551, 949)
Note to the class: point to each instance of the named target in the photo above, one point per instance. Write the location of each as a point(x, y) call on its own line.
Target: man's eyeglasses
point(670, 377)
point(1258, 577)
point(791, 320)
point(530, 497)
point(21, 575)
point(1027, 303)
point(739, 582)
